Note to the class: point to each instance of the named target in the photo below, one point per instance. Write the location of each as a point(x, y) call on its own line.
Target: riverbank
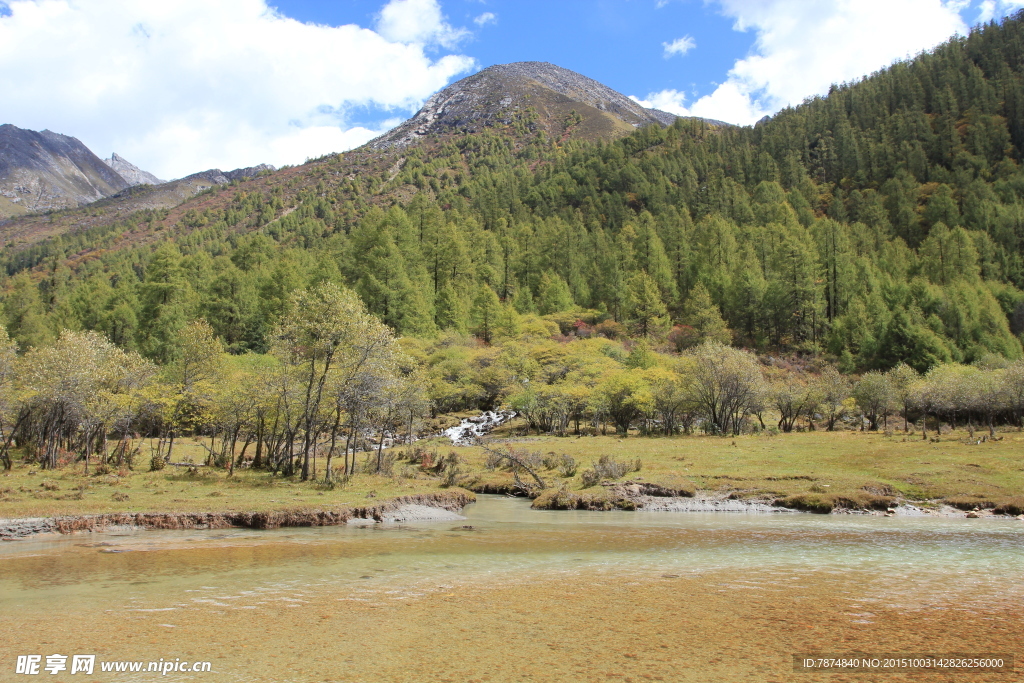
point(821, 472)
point(439, 506)
point(634, 496)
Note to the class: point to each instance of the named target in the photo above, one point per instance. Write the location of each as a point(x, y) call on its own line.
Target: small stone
point(973, 515)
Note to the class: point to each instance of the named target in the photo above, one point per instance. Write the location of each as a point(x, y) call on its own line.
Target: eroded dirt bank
point(396, 509)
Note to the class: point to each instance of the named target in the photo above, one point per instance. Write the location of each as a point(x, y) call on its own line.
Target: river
point(514, 594)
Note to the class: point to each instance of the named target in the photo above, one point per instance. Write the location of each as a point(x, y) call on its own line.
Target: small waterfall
point(472, 428)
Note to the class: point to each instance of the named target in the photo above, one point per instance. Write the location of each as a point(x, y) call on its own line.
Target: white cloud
point(672, 101)
point(179, 87)
point(486, 18)
point(803, 47)
point(726, 98)
point(994, 9)
point(679, 46)
point(417, 21)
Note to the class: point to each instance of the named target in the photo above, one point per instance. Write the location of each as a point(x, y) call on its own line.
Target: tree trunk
point(380, 449)
point(257, 460)
point(103, 445)
point(88, 441)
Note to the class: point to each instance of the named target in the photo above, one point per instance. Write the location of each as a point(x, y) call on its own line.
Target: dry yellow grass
point(28, 491)
point(815, 465)
point(813, 470)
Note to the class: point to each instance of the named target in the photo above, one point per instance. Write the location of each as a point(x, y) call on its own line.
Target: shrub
point(450, 469)
point(608, 467)
point(387, 463)
point(567, 466)
point(493, 461)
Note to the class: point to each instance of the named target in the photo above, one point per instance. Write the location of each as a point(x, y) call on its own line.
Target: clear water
point(519, 594)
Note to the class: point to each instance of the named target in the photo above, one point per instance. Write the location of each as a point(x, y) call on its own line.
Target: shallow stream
point(515, 594)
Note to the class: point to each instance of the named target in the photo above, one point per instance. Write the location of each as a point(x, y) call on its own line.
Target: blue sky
point(627, 44)
point(617, 42)
point(178, 87)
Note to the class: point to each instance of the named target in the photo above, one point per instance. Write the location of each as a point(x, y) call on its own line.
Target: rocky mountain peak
point(43, 170)
point(499, 94)
point(130, 172)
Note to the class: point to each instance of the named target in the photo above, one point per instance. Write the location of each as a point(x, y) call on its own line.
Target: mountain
point(559, 101)
point(41, 171)
point(882, 223)
point(130, 172)
point(46, 171)
point(27, 229)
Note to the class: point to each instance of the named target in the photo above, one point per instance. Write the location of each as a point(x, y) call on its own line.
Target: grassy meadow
point(809, 470)
point(28, 491)
point(815, 471)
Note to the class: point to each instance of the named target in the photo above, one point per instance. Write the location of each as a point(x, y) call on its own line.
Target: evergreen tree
point(486, 314)
point(647, 310)
point(704, 319)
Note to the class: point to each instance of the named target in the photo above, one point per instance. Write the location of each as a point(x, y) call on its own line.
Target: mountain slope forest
point(878, 225)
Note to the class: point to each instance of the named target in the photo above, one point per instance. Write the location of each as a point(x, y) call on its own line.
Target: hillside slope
point(23, 231)
point(516, 101)
point(880, 224)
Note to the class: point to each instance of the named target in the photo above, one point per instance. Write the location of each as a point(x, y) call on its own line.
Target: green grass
point(28, 491)
point(814, 471)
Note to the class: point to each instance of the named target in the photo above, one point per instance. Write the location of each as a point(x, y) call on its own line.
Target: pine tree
point(165, 301)
point(486, 314)
point(647, 310)
point(704, 318)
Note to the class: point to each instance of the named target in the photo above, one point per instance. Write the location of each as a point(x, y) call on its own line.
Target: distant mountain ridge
point(502, 93)
point(46, 171)
point(40, 171)
point(219, 177)
point(130, 172)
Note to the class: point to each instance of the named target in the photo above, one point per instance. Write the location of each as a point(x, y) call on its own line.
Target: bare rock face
point(219, 177)
point(44, 170)
point(130, 172)
point(248, 172)
point(549, 94)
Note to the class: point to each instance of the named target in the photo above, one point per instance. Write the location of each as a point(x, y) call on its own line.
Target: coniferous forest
point(876, 228)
